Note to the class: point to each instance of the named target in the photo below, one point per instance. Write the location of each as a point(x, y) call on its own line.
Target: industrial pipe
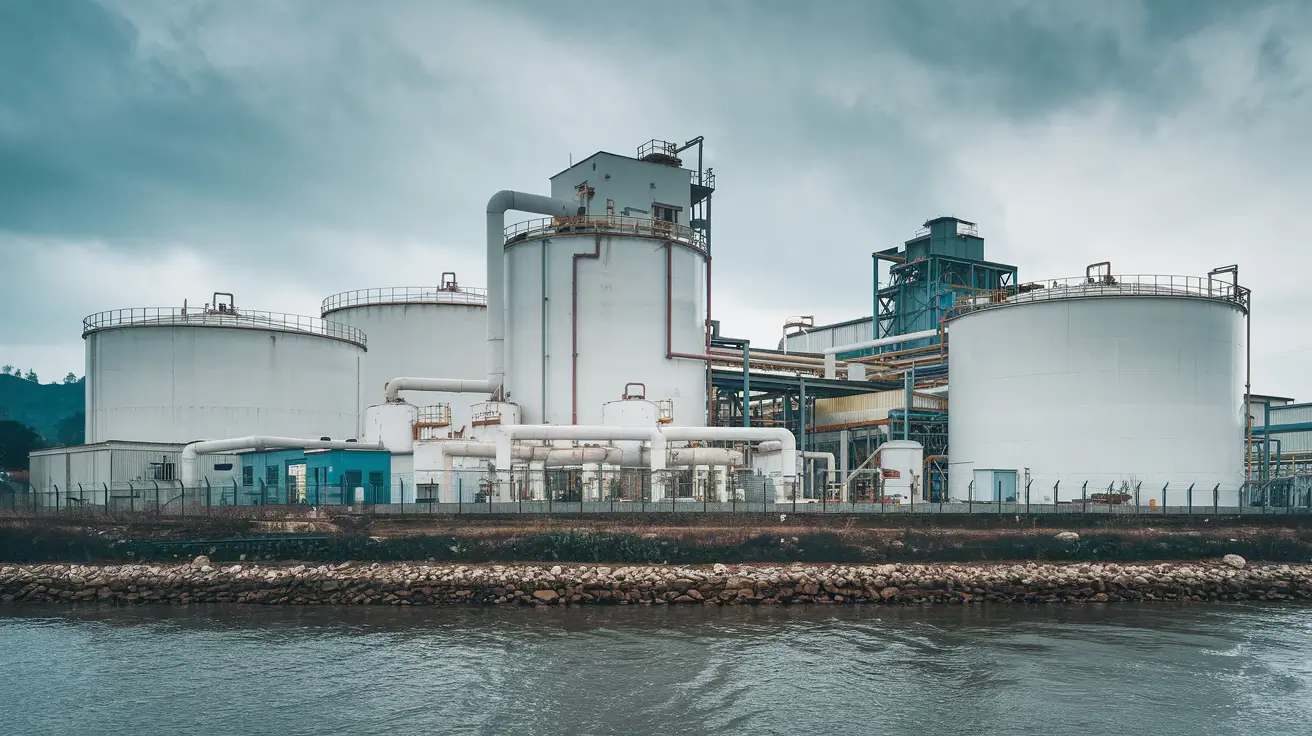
point(191, 475)
point(890, 340)
point(506, 433)
point(770, 446)
point(681, 456)
point(497, 207)
point(831, 353)
point(446, 385)
point(788, 444)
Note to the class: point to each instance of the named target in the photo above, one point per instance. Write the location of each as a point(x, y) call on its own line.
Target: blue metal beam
point(1284, 428)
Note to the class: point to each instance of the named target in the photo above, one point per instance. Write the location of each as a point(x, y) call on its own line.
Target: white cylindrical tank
point(1125, 382)
point(425, 331)
point(486, 416)
point(179, 374)
point(630, 412)
point(901, 466)
point(391, 424)
point(626, 276)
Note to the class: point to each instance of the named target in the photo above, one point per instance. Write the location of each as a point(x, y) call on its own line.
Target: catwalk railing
point(240, 319)
point(404, 295)
point(1119, 285)
point(636, 491)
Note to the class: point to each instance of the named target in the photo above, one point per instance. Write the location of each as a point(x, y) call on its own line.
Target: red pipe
point(574, 330)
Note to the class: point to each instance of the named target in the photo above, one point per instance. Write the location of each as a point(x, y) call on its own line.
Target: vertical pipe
point(1248, 376)
point(574, 330)
point(707, 329)
point(802, 434)
point(747, 383)
point(1266, 439)
point(544, 306)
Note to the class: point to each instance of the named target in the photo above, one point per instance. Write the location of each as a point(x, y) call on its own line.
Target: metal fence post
point(1216, 499)
point(1028, 483)
point(1084, 497)
point(1191, 498)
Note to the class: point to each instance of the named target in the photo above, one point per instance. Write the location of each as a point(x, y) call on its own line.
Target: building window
point(163, 471)
point(247, 475)
point(665, 213)
point(271, 475)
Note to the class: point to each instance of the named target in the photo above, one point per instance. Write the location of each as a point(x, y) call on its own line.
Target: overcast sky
point(159, 150)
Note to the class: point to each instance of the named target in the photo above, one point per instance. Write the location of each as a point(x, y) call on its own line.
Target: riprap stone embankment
point(529, 584)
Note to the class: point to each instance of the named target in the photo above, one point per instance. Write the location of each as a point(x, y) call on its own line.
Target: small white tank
point(900, 463)
point(486, 416)
point(631, 410)
point(392, 424)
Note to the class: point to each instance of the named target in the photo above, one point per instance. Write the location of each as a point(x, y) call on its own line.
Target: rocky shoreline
point(1232, 579)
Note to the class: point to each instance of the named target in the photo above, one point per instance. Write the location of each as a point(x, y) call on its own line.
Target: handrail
point(1120, 285)
point(403, 295)
point(640, 227)
point(241, 319)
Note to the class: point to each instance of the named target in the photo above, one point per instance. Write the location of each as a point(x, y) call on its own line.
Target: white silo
point(1130, 382)
point(613, 296)
point(178, 374)
point(417, 331)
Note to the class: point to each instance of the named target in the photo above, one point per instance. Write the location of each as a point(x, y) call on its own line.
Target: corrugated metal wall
point(869, 407)
point(118, 464)
point(1292, 414)
point(820, 338)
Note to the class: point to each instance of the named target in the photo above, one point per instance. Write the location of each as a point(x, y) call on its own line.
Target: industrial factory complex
point(590, 368)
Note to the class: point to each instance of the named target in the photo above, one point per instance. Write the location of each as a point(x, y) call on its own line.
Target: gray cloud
point(154, 151)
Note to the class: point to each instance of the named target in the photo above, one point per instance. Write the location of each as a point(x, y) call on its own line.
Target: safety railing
point(241, 319)
point(403, 295)
point(1120, 285)
point(640, 227)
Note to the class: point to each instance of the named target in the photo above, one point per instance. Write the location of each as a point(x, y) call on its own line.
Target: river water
point(1113, 669)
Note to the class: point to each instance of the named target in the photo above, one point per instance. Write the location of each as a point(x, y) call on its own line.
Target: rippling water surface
point(1160, 669)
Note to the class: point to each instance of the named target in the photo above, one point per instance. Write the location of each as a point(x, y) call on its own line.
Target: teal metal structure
point(315, 477)
point(943, 263)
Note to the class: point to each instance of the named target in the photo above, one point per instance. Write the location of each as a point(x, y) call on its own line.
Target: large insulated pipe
point(787, 443)
point(497, 207)
point(445, 385)
point(681, 456)
point(192, 452)
point(831, 354)
point(770, 446)
point(508, 433)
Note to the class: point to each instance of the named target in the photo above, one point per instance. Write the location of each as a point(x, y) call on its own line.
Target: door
point(296, 482)
point(1004, 483)
point(983, 489)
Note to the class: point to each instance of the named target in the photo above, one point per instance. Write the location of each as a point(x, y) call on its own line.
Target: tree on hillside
point(7, 370)
point(17, 440)
point(70, 378)
point(31, 376)
point(71, 430)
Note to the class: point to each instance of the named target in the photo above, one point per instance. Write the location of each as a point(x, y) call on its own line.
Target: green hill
point(54, 410)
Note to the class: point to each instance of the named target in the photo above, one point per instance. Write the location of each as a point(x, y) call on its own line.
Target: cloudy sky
point(159, 150)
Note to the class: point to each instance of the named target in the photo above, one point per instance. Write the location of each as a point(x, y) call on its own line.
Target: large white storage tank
point(1123, 382)
point(425, 331)
point(602, 300)
point(178, 374)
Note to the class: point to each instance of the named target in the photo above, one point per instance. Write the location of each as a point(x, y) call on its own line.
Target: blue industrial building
point(942, 264)
point(315, 477)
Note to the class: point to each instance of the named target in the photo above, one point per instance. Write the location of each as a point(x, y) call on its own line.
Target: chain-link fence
point(583, 492)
